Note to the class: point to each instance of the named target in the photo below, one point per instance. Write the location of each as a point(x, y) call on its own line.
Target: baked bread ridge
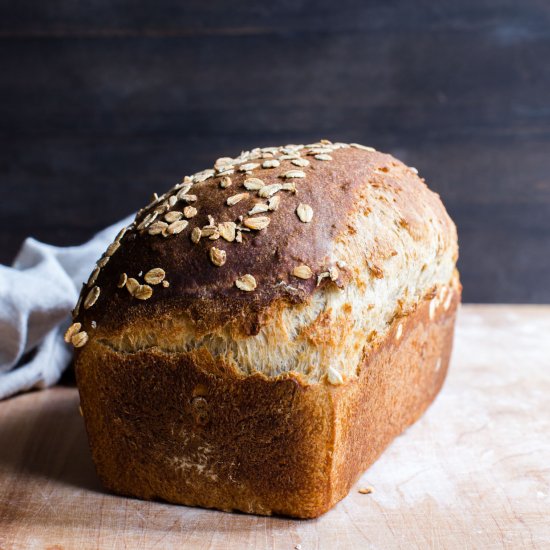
point(378, 242)
point(190, 428)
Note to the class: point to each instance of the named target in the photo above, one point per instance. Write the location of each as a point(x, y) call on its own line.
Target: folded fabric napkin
point(37, 295)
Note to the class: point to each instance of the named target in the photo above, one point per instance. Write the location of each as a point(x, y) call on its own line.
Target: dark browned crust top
point(206, 293)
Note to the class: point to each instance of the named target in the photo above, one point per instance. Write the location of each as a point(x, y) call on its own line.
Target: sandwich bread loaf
point(263, 330)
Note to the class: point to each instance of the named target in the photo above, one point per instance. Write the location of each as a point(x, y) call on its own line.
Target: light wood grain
point(474, 472)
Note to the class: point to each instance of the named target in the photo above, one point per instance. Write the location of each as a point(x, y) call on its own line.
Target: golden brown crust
point(217, 362)
point(206, 292)
point(189, 429)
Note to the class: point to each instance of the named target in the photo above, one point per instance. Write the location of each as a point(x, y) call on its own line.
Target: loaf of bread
point(262, 331)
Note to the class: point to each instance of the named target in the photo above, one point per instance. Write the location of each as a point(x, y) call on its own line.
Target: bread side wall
point(190, 430)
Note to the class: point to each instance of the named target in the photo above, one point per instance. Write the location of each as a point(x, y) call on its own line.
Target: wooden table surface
point(474, 472)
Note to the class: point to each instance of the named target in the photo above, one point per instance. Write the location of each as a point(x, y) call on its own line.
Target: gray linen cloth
point(37, 295)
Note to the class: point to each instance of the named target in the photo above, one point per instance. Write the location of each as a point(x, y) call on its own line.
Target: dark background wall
point(104, 102)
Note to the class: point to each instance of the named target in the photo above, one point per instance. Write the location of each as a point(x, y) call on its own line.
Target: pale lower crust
point(187, 429)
